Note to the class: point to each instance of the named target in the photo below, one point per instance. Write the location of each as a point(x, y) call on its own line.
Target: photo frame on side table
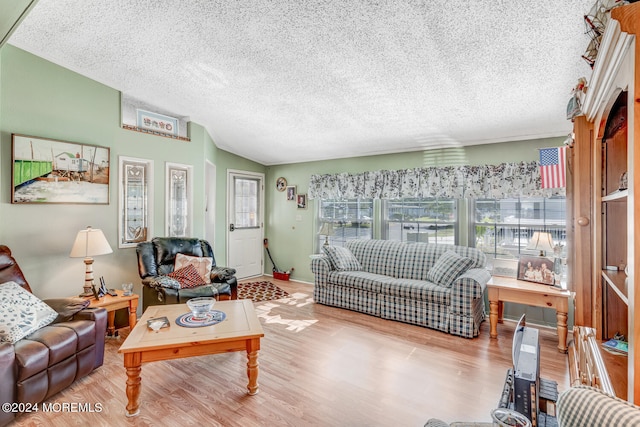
point(536, 269)
point(51, 171)
point(504, 267)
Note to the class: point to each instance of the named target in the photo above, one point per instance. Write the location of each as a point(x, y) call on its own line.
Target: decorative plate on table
point(211, 318)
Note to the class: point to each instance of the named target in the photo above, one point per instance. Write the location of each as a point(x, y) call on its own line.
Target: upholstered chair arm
point(321, 267)
point(222, 274)
point(469, 286)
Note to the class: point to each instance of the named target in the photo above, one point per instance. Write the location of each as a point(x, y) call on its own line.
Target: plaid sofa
point(392, 283)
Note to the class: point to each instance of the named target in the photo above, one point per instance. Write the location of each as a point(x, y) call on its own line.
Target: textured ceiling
point(287, 81)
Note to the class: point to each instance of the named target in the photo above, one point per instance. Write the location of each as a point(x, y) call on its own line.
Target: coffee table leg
point(562, 331)
point(493, 318)
point(253, 346)
point(133, 364)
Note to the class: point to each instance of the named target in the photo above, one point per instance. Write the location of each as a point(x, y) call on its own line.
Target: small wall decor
point(281, 184)
point(291, 192)
point(536, 269)
point(156, 122)
point(302, 201)
point(52, 171)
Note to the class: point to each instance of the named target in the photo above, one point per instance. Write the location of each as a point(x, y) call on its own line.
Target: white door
point(244, 232)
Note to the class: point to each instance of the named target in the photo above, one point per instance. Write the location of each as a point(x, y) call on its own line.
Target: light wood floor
point(319, 366)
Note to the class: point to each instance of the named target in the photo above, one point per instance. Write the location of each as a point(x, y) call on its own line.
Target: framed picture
point(536, 269)
point(505, 267)
point(291, 193)
point(51, 171)
point(156, 122)
point(302, 201)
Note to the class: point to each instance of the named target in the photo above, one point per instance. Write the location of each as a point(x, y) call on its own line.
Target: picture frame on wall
point(291, 193)
point(156, 122)
point(536, 269)
point(301, 200)
point(48, 170)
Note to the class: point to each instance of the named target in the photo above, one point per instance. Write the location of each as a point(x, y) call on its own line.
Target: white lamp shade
point(90, 242)
point(326, 229)
point(541, 241)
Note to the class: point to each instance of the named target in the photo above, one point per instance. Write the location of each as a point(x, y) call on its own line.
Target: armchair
point(50, 359)
point(157, 258)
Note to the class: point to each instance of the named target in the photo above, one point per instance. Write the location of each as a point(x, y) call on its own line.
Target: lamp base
point(88, 292)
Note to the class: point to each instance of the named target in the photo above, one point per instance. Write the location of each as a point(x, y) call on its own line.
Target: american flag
point(552, 167)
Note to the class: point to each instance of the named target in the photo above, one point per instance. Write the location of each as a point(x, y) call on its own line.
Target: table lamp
point(89, 243)
point(326, 230)
point(541, 241)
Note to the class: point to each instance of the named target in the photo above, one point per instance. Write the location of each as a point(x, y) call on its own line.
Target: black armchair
point(157, 258)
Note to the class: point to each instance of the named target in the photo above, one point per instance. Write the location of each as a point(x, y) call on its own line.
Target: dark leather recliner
point(51, 358)
point(157, 257)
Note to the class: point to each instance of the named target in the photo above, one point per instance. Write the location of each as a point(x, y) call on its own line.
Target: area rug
point(260, 291)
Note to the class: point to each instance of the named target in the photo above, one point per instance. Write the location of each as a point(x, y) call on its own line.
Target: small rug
point(260, 291)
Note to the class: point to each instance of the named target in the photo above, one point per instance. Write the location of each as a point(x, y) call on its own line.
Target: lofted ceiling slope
point(280, 81)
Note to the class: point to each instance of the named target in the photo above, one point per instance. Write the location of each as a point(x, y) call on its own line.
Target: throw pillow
point(342, 259)
point(67, 307)
point(202, 264)
point(447, 268)
point(21, 313)
point(188, 277)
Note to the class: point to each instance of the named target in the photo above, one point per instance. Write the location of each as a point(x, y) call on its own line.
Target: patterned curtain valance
point(449, 182)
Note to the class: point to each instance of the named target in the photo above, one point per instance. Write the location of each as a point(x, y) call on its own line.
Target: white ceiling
point(280, 81)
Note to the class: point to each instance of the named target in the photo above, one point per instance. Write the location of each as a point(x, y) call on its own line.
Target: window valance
point(450, 182)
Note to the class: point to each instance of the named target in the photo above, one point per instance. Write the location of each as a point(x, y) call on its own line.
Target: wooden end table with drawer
point(112, 304)
point(501, 289)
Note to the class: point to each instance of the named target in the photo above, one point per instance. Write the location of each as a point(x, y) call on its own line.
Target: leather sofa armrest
point(98, 315)
point(8, 374)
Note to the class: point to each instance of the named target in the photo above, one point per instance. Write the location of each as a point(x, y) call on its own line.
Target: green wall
point(42, 99)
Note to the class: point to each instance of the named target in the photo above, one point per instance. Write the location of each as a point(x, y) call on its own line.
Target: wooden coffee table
point(240, 331)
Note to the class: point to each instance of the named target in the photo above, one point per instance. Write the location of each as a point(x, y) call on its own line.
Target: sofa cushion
point(342, 259)
point(202, 264)
point(21, 313)
point(449, 266)
point(188, 277)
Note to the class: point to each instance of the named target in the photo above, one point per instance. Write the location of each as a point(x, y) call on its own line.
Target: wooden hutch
point(604, 200)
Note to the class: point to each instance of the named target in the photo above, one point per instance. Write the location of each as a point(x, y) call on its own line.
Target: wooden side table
point(501, 289)
point(115, 303)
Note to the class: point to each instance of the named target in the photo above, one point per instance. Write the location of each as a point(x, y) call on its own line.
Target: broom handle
point(266, 246)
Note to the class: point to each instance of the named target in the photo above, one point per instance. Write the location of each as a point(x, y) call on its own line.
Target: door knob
point(232, 227)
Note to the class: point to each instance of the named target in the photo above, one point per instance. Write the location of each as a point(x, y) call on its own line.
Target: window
point(420, 220)
point(502, 228)
point(136, 198)
point(179, 193)
point(246, 202)
point(349, 219)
